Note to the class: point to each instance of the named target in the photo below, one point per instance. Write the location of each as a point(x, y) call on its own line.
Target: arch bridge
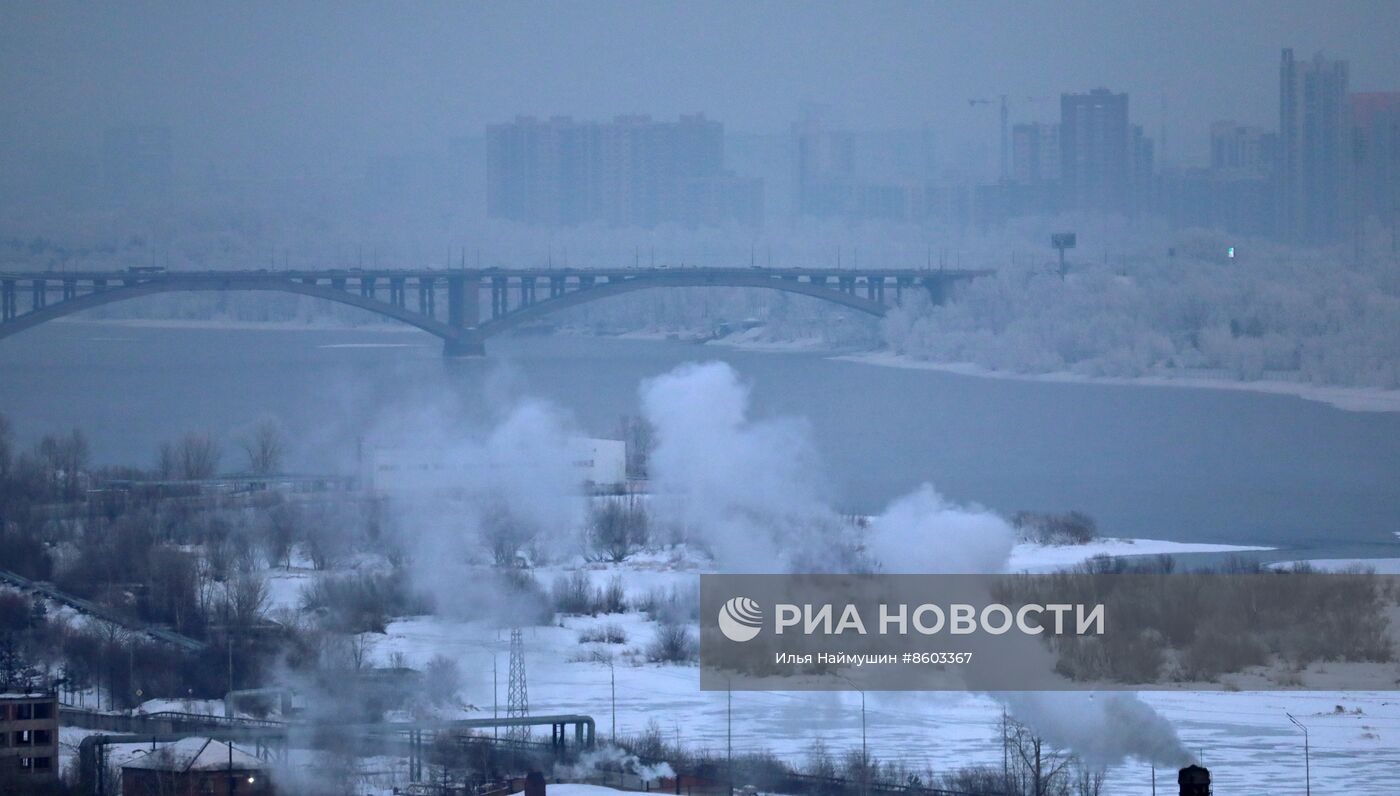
point(462, 307)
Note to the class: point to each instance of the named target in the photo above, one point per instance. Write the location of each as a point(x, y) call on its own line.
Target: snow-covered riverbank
point(1353, 399)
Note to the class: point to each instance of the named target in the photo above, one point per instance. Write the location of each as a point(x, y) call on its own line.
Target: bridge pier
point(468, 344)
point(937, 291)
point(500, 296)
point(427, 291)
point(463, 301)
point(7, 299)
point(463, 315)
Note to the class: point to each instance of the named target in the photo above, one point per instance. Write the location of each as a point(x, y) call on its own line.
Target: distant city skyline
point(310, 85)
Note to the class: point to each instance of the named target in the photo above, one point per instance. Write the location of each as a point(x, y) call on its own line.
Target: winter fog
point(380, 383)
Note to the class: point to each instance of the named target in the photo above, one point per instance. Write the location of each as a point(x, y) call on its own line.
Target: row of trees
point(1031, 767)
point(149, 560)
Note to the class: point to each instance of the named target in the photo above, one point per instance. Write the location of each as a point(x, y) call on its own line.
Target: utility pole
point(1005, 140)
point(729, 732)
point(607, 660)
point(864, 753)
point(1307, 753)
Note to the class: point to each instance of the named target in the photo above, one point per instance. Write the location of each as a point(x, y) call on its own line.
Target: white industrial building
point(600, 464)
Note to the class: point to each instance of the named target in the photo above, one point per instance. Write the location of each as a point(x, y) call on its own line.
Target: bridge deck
point(388, 273)
point(518, 296)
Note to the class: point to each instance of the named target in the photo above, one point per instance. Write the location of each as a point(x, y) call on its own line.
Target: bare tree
point(282, 529)
point(167, 462)
point(247, 599)
point(442, 679)
point(1045, 771)
point(617, 529)
point(361, 646)
point(64, 458)
point(197, 456)
point(1088, 781)
point(504, 534)
point(264, 446)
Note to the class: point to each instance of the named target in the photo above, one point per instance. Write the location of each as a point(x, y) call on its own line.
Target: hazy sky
point(282, 83)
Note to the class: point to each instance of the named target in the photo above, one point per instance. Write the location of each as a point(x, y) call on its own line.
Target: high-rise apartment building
point(1242, 149)
point(1096, 149)
point(1313, 148)
point(1375, 149)
point(859, 176)
point(632, 171)
point(1035, 153)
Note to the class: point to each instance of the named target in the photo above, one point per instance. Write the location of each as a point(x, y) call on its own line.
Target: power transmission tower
point(518, 695)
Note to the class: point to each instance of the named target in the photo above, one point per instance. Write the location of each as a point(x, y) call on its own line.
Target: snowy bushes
point(1279, 314)
point(674, 605)
point(673, 643)
point(603, 634)
point(359, 603)
point(1070, 528)
point(617, 529)
point(575, 594)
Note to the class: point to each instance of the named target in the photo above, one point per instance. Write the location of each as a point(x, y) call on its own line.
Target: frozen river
point(1179, 464)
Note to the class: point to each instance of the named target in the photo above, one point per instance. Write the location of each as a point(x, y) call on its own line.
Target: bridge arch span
point(535, 312)
point(462, 327)
point(112, 295)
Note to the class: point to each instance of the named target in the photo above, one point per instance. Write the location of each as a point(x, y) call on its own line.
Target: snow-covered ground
point(1355, 399)
point(1027, 557)
point(1243, 736)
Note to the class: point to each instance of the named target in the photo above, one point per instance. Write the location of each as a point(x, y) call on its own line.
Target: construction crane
point(1003, 101)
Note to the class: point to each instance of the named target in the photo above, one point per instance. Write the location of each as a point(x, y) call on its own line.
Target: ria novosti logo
point(740, 619)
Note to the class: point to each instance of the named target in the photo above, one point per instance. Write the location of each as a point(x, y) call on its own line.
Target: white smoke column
point(609, 757)
point(529, 465)
point(748, 489)
point(1102, 728)
point(924, 533)
point(519, 468)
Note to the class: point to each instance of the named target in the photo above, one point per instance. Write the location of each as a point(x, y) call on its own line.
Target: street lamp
point(1062, 241)
point(729, 730)
point(1307, 753)
point(607, 660)
point(864, 756)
